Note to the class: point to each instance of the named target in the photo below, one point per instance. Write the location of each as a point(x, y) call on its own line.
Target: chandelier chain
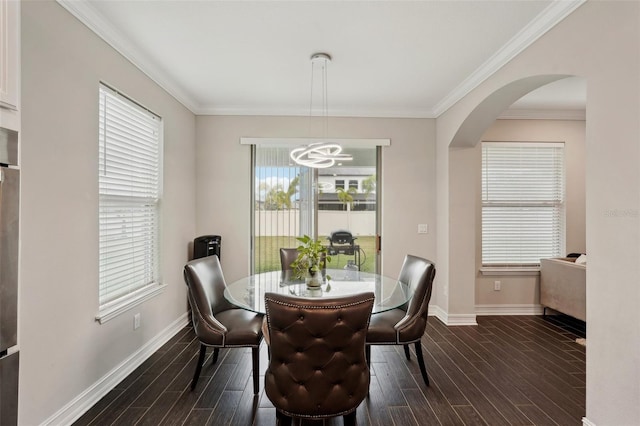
point(320, 154)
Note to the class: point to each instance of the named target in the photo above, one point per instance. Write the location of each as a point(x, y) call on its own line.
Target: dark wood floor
point(518, 370)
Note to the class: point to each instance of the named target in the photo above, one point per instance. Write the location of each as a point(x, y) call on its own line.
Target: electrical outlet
point(497, 285)
point(423, 228)
point(136, 321)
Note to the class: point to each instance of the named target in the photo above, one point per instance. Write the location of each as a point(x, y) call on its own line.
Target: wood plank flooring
point(509, 370)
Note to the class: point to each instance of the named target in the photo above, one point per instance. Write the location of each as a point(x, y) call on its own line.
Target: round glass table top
point(248, 293)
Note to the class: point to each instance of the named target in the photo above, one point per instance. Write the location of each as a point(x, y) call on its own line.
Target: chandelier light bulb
point(319, 155)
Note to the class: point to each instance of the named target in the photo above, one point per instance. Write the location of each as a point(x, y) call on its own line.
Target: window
point(339, 184)
point(129, 198)
point(523, 207)
point(353, 184)
point(289, 200)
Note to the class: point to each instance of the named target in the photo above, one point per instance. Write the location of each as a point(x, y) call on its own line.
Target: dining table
point(248, 292)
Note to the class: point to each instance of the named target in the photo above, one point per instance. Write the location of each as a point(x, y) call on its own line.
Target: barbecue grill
point(343, 242)
point(341, 237)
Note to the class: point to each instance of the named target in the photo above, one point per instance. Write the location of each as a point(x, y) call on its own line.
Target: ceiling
point(389, 58)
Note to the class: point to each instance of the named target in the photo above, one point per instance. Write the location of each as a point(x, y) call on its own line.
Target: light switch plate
point(423, 228)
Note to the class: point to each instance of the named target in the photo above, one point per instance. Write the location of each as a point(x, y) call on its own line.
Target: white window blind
point(129, 189)
point(523, 210)
point(281, 206)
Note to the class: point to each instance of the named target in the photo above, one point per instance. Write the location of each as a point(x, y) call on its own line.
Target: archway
point(472, 128)
point(610, 62)
point(464, 198)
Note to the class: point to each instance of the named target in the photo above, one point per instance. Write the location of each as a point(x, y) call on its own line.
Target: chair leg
point(367, 353)
point(282, 420)
point(255, 352)
point(406, 352)
point(214, 358)
point(350, 419)
point(423, 369)
point(196, 376)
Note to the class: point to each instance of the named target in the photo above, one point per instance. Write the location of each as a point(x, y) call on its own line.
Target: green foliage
point(273, 199)
point(268, 253)
point(277, 198)
point(310, 256)
point(369, 185)
point(346, 197)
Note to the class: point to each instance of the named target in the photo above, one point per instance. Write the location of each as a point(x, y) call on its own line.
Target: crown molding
point(90, 17)
point(87, 14)
point(302, 112)
point(544, 114)
point(547, 19)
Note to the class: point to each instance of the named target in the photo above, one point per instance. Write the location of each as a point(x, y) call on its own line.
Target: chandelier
point(321, 154)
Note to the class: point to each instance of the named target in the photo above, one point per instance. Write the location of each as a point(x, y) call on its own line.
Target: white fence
point(271, 223)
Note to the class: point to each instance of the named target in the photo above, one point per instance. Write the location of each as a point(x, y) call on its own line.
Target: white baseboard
point(83, 402)
point(508, 310)
point(587, 422)
point(438, 312)
point(470, 319)
point(461, 319)
point(453, 319)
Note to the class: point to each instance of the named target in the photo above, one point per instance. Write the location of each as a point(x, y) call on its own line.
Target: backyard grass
point(267, 251)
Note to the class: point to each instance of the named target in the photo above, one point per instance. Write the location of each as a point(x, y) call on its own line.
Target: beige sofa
point(563, 286)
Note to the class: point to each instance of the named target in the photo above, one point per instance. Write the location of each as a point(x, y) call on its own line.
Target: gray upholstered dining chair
point(406, 324)
point(217, 323)
point(317, 367)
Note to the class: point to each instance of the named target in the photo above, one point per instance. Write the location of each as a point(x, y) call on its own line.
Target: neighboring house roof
point(343, 172)
point(333, 196)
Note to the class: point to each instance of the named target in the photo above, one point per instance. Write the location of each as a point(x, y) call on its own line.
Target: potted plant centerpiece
point(311, 260)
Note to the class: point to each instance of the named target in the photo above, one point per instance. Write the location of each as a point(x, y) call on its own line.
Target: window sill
point(510, 270)
point(117, 307)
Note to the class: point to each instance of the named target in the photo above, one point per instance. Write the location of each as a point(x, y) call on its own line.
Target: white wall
point(524, 290)
point(63, 349)
point(600, 41)
point(408, 181)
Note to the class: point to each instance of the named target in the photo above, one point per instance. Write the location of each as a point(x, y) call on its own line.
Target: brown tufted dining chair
point(317, 367)
point(406, 324)
point(217, 323)
point(287, 256)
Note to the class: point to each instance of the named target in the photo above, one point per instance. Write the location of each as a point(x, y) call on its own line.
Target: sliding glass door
point(347, 209)
point(338, 205)
point(281, 208)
